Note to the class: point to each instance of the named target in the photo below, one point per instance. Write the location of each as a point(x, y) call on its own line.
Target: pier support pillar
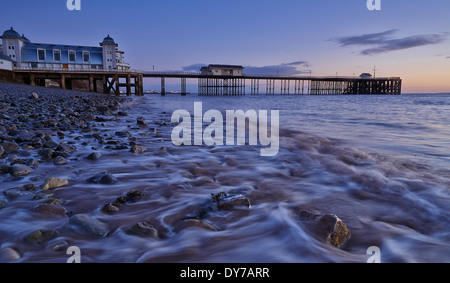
point(183, 86)
point(63, 81)
point(163, 86)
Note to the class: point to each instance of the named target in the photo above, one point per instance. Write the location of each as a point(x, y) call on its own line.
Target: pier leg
point(183, 86)
point(163, 86)
point(63, 81)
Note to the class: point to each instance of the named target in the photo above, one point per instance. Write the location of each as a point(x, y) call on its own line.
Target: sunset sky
point(410, 39)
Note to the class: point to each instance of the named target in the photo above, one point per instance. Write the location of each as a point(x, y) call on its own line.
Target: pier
point(209, 85)
point(130, 82)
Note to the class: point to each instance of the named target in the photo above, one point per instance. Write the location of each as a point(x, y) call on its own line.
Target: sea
point(381, 164)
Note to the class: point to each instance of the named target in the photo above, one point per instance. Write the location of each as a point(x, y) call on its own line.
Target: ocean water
point(380, 163)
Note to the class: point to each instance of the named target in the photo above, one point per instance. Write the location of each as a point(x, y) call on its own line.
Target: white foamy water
point(380, 163)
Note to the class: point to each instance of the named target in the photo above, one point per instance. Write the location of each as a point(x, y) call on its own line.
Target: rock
point(225, 201)
point(110, 208)
point(138, 149)
point(50, 209)
point(54, 183)
point(34, 96)
point(60, 246)
point(141, 121)
point(94, 156)
point(50, 144)
point(123, 134)
point(3, 202)
point(33, 163)
point(9, 255)
point(104, 179)
point(59, 160)
point(46, 153)
point(29, 187)
point(89, 225)
point(5, 168)
point(2, 151)
point(14, 193)
point(328, 228)
point(10, 147)
point(144, 229)
point(19, 170)
point(65, 148)
point(191, 222)
point(42, 235)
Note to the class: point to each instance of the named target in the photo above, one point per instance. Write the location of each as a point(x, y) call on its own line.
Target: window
point(86, 57)
point(72, 56)
point(41, 54)
point(11, 47)
point(57, 55)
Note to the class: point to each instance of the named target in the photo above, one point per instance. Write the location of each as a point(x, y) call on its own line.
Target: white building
point(6, 63)
point(27, 54)
point(223, 70)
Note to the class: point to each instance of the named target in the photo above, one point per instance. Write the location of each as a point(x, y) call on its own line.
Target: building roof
point(365, 75)
point(226, 66)
point(108, 40)
point(26, 40)
point(11, 33)
point(6, 58)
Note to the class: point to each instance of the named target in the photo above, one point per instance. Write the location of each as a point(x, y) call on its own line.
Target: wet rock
point(65, 148)
point(50, 209)
point(104, 179)
point(60, 246)
point(3, 202)
point(141, 121)
point(59, 160)
point(14, 193)
point(5, 169)
point(53, 201)
point(42, 235)
point(144, 229)
point(33, 163)
point(9, 255)
point(19, 170)
point(110, 208)
point(34, 96)
point(89, 225)
point(328, 228)
point(50, 144)
point(37, 142)
point(29, 187)
point(94, 156)
point(192, 222)
point(2, 151)
point(54, 183)
point(46, 153)
point(123, 134)
point(10, 147)
point(138, 149)
point(225, 201)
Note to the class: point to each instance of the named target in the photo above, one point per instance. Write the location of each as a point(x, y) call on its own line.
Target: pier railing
point(90, 70)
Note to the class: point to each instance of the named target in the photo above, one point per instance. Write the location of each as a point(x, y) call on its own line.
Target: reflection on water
point(379, 163)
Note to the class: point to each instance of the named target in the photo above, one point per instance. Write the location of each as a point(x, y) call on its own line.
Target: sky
point(409, 39)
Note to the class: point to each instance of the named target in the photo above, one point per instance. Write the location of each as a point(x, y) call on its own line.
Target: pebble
point(138, 149)
point(50, 209)
point(54, 183)
point(94, 156)
point(34, 96)
point(89, 225)
point(9, 255)
point(19, 170)
point(42, 235)
point(144, 229)
point(328, 228)
point(10, 146)
point(33, 163)
point(59, 160)
point(3, 202)
point(225, 201)
point(141, 121)
point(104, 179)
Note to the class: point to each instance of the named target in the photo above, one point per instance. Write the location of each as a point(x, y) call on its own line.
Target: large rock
point(225, 201)
point(328, 228)
point(104, 179)
point(144, 229)
point(54, 183)
point(10, 146)
point(9, 255)
point(89, 225)
point(138, 149)
point(50, 209)
point(59, 160)
point(41, 236)
point(19, 170)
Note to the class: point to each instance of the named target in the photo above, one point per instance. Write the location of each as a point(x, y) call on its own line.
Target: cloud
point(285, 69)
point(383, 42)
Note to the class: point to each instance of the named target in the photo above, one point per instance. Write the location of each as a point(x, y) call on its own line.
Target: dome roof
point(11, 33)
point(108, 40)
point(26, 40)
